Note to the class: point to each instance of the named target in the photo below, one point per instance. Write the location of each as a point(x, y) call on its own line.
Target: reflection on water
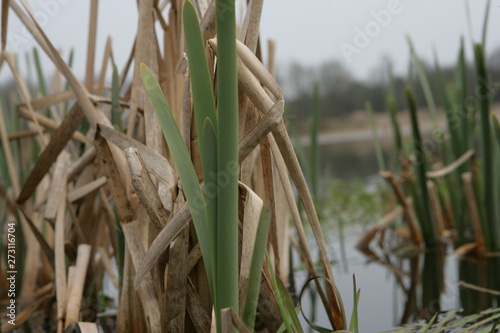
point(405, 285)
point(483, 272)
point(348, 161)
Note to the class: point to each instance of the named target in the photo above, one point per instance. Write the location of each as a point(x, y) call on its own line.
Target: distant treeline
point(341, 94)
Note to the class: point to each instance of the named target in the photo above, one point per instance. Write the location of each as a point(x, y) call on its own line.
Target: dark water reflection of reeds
point(401, 288)
point(398, 288)
point(348, 161)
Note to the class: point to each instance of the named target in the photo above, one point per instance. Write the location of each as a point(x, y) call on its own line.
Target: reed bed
point(447, 186)
point(176, 186)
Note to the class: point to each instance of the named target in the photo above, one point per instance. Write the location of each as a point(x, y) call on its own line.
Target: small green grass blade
point(354, 326)
point(428, 327)
point(453, 121)
point(463, 88)
point(39, 72)
point(41, 77)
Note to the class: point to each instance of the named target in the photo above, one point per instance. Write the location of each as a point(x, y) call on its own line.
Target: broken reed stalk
point(409, 213)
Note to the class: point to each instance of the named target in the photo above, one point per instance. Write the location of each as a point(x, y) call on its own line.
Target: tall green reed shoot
point(227, 155)
point(215, 213)
point(490, 221)
point(426, 222)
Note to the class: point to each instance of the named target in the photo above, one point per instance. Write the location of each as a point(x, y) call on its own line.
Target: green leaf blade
point(182, 160)
point(203, 98)
point(227, 157)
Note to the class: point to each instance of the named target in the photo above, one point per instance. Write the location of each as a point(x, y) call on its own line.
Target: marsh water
point(403, 286)
point(400, 285)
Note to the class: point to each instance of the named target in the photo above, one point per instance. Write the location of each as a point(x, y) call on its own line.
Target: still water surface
point(404, 286)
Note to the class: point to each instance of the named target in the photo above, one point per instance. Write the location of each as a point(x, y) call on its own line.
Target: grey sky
point(312, 31)
point(308, 32)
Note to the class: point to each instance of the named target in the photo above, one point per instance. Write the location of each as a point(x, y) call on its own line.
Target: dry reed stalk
point(60, 267)
point(196, 311)
point(87, 327)
point(174, 297)
point(407, 208)
point(91, 46)
point(50, 124)
point(464, 249)
point(80, 272)
point(162, 241)
point(57, 192)
point(37, 244)
point(110, 270)
point(129, 315)
point(145, 189)
point(282, 211)
point(41, 243)
point(474, 211)
point(249, 31)
point(132, 231)
point(452, 167)
point(251, 213)
point(83, 191)
point(268, 180)
point(158, 165)
point(49, 155)
point(231, 321)
point(381, 224)
point(108, 57)
point(436, 207)
point(5, 21)
point(478, 288)
point(22, 135)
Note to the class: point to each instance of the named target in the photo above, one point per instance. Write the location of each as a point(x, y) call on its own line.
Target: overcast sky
point(315, 33)
point(356, 32)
